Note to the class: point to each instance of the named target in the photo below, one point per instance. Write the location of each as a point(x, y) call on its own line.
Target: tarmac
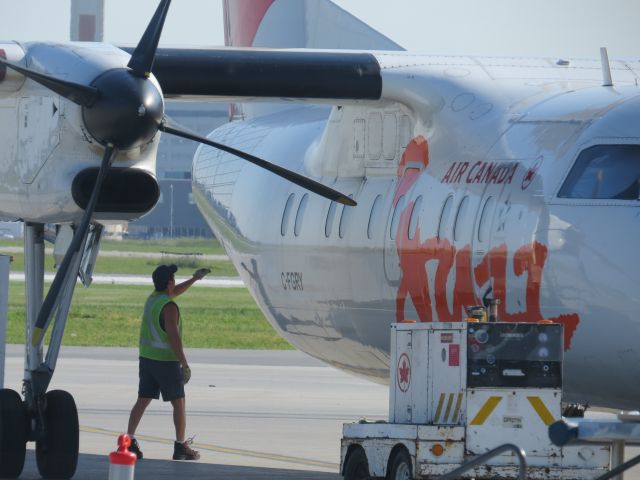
point(254, 414)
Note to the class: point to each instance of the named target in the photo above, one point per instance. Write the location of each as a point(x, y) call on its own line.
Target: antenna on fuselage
point(606, 68)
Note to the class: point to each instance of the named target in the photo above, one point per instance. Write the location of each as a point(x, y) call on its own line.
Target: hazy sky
point(556, 28)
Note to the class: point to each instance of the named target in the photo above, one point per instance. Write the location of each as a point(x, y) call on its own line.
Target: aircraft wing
point(258, 73)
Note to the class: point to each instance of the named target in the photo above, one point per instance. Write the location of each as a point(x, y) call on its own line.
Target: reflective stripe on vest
point(154, 341)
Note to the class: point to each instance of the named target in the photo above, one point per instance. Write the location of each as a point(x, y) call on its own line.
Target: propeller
point(143, 56)
point(169, 126)
point(123, 109)
point(77, 93)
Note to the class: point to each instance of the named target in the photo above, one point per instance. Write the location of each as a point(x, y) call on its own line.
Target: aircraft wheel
point(401, 466)
point(357, 466)
point(57, 452)
point(13, 434)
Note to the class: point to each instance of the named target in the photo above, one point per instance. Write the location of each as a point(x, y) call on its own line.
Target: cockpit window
point(609, 172)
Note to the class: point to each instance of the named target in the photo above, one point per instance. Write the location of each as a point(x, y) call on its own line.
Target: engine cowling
point(10, 80)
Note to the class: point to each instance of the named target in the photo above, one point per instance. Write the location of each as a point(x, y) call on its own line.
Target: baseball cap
point(162, 275)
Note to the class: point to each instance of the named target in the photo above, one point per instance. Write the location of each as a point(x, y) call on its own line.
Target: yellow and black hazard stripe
point(486, 410)
point(542, 410)
point(449, 417)
point(492, 402)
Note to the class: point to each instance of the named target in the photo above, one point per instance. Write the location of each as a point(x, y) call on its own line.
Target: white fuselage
point(457, 174)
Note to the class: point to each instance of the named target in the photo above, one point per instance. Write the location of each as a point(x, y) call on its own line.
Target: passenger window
point(485, 220)
point(396, 217)
point(344, 220)
point(444, 217)
point(285, 215)
point(459, 222)
point(328, 226)
point(415, 216)
point(609, 172)
point(374, 218)
point(300, 215)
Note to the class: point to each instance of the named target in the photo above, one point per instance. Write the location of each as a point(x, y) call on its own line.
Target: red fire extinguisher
point(122, 463)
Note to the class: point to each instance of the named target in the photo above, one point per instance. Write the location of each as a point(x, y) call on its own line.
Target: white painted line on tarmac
point(221, 449)
point(215, 282)
point(116, 253)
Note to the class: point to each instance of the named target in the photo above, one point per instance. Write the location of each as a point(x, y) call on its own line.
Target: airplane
point(411, 187)
point(505, 181)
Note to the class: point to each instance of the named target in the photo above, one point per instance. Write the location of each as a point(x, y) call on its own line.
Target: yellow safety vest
point(154, 341)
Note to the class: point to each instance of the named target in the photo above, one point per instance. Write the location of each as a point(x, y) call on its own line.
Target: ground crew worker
point(163, 364)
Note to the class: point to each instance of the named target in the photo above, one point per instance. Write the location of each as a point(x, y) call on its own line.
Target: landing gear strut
point(48, 418)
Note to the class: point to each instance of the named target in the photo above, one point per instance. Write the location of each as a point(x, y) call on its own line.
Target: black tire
point(13, 434)
point(357, 466)
point(57, 452)
point(401, 466)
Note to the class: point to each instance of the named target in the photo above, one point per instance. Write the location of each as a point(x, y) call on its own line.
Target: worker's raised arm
point(184, 286)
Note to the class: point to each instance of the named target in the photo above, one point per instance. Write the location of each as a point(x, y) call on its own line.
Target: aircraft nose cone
point(127, 112)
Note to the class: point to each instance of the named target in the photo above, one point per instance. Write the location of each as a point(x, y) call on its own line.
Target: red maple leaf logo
point(404, 372)
point(531, 173)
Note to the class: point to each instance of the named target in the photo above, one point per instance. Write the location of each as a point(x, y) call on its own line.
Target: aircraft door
point(8, 136)
point(506, 223)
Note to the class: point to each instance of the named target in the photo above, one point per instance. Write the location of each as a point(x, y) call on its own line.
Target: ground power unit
point(459, 390)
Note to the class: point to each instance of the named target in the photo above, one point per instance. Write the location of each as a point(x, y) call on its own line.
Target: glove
point(186, 375)
point(201, 272)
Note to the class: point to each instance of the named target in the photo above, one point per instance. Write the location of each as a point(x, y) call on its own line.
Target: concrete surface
point(255, 415)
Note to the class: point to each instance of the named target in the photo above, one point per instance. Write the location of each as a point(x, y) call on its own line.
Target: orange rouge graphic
point(414, 255)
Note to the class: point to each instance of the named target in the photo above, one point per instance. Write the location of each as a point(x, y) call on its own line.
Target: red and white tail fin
point(298, 24)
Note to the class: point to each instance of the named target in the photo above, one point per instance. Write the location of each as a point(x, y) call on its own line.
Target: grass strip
point(109, 315)
point(205, 246)
point(140, 265)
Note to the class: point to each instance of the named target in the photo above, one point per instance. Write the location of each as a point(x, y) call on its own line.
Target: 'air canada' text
point(481, 172)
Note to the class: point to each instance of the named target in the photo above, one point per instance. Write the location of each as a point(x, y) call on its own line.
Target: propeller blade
point(51, 301)
point(143, 56)
point(296, 178)
point(79, 94)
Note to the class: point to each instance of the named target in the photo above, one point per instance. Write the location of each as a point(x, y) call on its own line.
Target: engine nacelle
point(50, 157)
point(126, 191)
point(10, 80)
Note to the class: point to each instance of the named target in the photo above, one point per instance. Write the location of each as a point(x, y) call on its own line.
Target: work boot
point(183, 451)
point(135, 448)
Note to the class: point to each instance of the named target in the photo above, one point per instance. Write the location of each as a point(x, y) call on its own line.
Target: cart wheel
point(57, 452)
point(13, 434)
point(357, 466)
point(401, 466)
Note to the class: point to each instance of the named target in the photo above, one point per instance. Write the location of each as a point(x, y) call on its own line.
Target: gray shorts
point(157, 377)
